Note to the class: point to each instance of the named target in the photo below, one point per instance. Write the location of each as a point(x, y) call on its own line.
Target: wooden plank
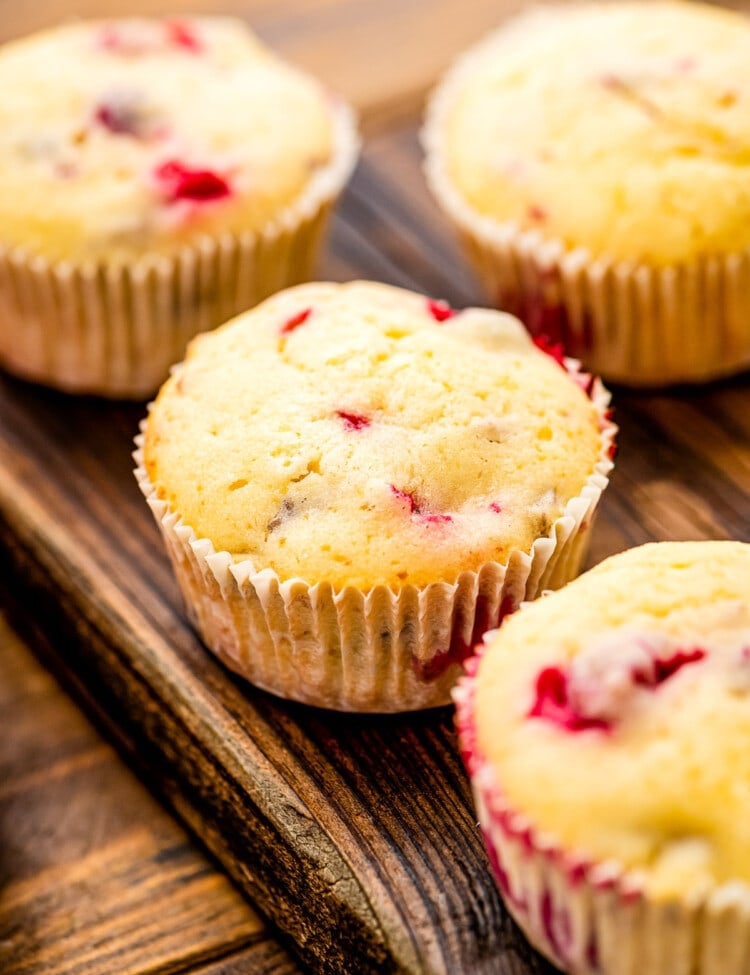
point(357, 835)
point(95, 877)
point(264, 958)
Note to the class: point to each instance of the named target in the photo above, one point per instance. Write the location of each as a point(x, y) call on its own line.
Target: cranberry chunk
point(182, 34)
point(353, 421)
point(536, 213)
point(553, 349)
point(295, 321)
point(183, 183)
point(416, 508)
point(551, 702)
point(124, 113)
point(668, 666)
point(441, 311)
point(407, 498)
point(117, 120)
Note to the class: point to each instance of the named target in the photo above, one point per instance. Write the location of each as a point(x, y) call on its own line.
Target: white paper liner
point(115, 331)
point(628, 322)
point(376, 650)
point(594, 918)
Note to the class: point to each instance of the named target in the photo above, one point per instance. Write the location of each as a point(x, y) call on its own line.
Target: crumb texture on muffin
point(119, 137)
point(360, 434)
point(623, 128)
point(615, 714)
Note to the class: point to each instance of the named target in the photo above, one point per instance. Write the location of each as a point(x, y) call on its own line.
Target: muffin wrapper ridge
point(115, 330)
point(376, 650)
point(628, 322)
point(595, 918)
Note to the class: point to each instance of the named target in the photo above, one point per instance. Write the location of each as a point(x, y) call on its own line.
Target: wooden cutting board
point(95, 877)
point(356, 835)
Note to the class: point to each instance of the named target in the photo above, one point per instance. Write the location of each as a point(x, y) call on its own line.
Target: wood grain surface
point(356, 835)
point(94, 876)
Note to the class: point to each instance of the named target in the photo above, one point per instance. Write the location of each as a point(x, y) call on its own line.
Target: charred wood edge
point(248, 839)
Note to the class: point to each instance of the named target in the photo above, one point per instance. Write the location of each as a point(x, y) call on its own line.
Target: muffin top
point(623, 128)
point(616, 713)
point(120, 137)
point(361, 434)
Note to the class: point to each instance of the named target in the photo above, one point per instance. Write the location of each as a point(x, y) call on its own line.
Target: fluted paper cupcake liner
point(115, 330)
point(378, 650)
point(596, 918)
point(628, 322)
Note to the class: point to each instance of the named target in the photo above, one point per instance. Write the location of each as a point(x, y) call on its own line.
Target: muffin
point(606, 728)
point(158, 176)
point(354, 482)
point(592, 157)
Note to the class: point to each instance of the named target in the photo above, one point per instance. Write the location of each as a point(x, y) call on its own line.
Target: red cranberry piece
point(496, 507)
point(295, 321)
point(551, 702)
point(122, 112)
point(441, 311)
point(536, 213)
point(181, 34)
point(116, 120)
point(183, 183)
point(353, 421)
point(668, 667)
point(415, 508)
point(553, 349)
point(406, 497)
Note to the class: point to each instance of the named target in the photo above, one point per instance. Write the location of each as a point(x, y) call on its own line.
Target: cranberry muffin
point(370, 481)
point(606, 728)
point(158, 177)
point(591, 156)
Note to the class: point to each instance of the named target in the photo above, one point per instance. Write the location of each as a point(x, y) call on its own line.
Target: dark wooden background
point(356, 836)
